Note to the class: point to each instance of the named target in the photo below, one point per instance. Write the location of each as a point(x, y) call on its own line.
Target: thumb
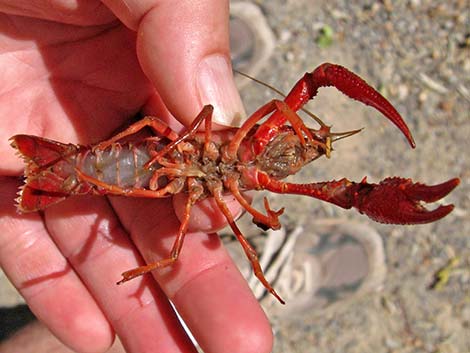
point(183, 47)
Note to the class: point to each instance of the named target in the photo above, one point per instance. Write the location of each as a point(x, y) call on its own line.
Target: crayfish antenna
point(262, 83)
point(336, 136)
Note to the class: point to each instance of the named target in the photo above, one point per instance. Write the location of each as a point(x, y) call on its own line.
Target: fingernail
point(216, 86)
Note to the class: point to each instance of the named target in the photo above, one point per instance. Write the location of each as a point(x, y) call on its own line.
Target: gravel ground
point(418, 54)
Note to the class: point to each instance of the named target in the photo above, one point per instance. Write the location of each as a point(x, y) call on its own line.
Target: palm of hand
point(79, 84)
point(70, 83)
point(67, 82)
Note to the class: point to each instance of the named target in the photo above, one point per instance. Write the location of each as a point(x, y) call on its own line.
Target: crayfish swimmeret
point(211, 163)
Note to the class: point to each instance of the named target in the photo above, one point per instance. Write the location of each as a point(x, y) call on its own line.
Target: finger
point(53, 291)
point(86, 13)
point(183, 48)
point(87, 231)
point(204, 284)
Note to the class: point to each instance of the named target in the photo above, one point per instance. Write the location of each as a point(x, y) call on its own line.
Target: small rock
point(423, 97)
point(285, 35)
point(415, 4)
point(388, 26)
point(447, 105)
point(388, 4)
point(436, 54)
point(289, 56)
point(402, 92)
point(391, 343)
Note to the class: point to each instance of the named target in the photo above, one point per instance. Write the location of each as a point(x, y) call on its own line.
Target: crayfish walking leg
point(249, 251)
point(195, 192)
point(158, 126)
point(177, 245)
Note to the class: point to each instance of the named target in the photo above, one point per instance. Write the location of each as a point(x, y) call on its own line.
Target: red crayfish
point(211, 163)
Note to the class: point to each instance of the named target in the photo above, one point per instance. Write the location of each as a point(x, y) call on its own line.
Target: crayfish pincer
point(272, 144)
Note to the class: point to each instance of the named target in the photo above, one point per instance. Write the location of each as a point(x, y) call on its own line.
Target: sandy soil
point(418, 53)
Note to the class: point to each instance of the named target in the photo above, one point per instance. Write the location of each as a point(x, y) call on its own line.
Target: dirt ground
point(418, 53)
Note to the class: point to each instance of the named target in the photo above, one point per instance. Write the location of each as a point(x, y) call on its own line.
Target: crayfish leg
point(278, 107)
point(197, 190)
point(394, 200)
point(232, 150)
point(268, 221)
point(342, 79)
point(173, 187)
point(205, 114)
point(250, 252)
point(158, 126)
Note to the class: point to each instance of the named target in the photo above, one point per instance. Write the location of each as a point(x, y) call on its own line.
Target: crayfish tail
point(31, 200)
point(38, 151)
point(48, 173)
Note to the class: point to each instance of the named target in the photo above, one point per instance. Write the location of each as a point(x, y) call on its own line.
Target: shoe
point(334, 261)
point(251, 40)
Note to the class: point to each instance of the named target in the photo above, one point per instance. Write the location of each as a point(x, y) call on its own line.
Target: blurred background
point(352, 285)
point(415, 295)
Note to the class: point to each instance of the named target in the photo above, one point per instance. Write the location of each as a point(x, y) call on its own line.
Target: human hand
point(77, 78)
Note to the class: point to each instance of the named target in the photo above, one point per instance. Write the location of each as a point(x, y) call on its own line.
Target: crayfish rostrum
point(258, 155)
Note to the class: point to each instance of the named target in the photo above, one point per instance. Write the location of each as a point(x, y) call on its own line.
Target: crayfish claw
point(432, 193)
point(272, 221)
point(418, 214)
point(399, 201)
point(356, 88)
